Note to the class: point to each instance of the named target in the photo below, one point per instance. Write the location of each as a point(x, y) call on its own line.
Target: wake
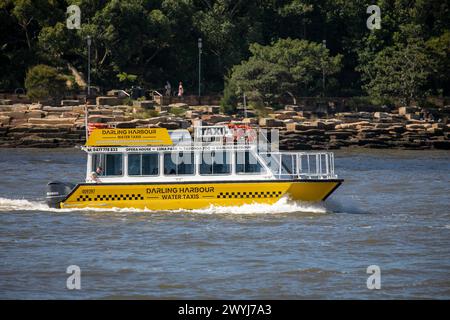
point(281, 206)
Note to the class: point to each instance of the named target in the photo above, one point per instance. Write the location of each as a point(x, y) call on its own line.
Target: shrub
point(43, 82)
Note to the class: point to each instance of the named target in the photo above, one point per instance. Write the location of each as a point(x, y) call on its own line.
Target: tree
point(229, 101)
point(43, 82)
point(287, 66)
point(400, 71)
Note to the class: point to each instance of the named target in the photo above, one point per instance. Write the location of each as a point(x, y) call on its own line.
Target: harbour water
point(392, 211)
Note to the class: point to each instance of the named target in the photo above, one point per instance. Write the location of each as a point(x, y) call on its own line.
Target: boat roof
point(115, 137)
point(161, 137)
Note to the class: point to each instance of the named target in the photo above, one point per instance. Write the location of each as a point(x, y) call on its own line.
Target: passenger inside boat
point(95, 174)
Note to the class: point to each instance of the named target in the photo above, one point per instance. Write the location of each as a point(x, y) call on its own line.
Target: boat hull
point(172, 196)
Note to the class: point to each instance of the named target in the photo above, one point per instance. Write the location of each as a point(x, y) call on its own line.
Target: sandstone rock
point(191, 114)
point(35, 106)
point(353, 125)
point(145, 104)
point(70, 115)
point(435, 131)
point(412, 116)
point(212, 119)
point(214, 109)
point(58, 109)
point(100, 118)
point(269, 122)
point(169, 125)
point(294, 108)
point(250, 120)
point(60, 121)
point(325, 125)
point(381, 115)
point(126, 124)
point(162, 108)
point(405, 110)
point(438, 125)
point(283, 115)
point(397, 129)
point(156, 120)
point(105, 112)
point(109, 101)
point(292, 126)
point(36, 114)
point(4, 120)
point(16, 114)
point(5, 101)
point(70, 102)
point(19, 107)
point(4, 108)
point(339, 134)
point(179, 105)
point(313, 132)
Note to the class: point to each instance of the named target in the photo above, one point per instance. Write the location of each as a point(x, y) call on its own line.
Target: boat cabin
point(214, 153)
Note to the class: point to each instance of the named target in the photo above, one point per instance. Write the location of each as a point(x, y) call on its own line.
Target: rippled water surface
point(392, 211)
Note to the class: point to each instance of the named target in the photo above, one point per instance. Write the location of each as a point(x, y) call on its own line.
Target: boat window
point(112, 164)
point(246, 162)
point(146, 164)
point(215, 162)
point(178, 163)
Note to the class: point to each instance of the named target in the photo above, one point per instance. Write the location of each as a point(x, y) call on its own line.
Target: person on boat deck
point(95, 175)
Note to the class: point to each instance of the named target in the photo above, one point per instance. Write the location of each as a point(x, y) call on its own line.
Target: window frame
point(141, 154)
point(258, 162)
point(104, 166)
point(230, 172)
point(176, 165)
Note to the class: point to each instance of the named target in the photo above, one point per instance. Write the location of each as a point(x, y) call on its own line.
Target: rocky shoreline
point(40, 126)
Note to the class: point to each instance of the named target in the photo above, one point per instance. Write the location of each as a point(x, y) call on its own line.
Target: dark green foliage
point(156, 40)
point(44, 82)
point(229, 101)
point(288, 66)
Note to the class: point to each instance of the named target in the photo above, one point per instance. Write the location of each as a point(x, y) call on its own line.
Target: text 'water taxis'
point(152, 168)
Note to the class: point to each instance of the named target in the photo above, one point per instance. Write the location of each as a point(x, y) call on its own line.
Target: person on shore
point(168, 88)
point(95, 175)
point(180, 89)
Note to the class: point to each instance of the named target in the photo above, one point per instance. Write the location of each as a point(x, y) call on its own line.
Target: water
point(392, 211)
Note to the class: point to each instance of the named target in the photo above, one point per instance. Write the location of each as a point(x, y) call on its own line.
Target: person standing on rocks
point(180, 89)
point(168, 88)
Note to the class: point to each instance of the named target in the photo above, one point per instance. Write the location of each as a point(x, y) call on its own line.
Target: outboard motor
point(57, 192)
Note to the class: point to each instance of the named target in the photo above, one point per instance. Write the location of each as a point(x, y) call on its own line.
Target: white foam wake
point(284, 205)
point(281, 206)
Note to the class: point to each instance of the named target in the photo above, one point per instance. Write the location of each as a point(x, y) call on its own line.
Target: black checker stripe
point(84, 197)
point(250, 194)
point(111, 197)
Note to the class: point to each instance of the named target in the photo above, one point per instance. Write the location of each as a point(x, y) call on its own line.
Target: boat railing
point(300, 165)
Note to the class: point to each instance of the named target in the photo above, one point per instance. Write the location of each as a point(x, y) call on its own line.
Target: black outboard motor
point(57, 192)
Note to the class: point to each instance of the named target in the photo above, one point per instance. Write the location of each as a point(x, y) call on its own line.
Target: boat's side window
point(215, 162)
point(146, 164)
point(246, 162)
point(112, 164)
point(180, 163)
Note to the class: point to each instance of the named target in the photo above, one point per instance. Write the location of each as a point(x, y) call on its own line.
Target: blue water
point(392, 211)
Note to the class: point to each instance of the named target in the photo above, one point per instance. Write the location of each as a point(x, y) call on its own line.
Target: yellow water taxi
point(157, 169)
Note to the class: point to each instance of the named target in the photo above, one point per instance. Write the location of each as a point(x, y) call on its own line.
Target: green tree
point(43, 82)
point(229, 101)
point(401, 71)
point(287, 66)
